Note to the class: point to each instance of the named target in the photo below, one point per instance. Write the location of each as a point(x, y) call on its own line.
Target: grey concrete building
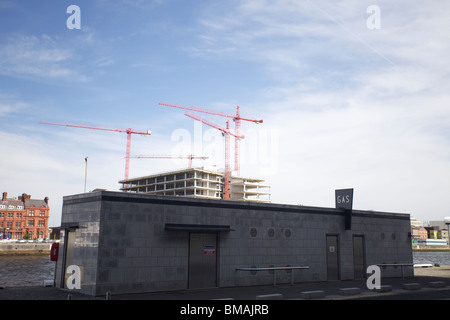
point(132, 242)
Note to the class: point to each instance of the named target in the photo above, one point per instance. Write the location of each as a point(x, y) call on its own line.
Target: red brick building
point(24, 217)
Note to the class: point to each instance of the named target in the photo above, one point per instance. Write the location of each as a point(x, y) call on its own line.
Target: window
point(31, 213)
point(30, 223)
point(18, 215)
point(10, 206)
point(42, 213)
point(19, 207)
point(18, 225)
point(41, 223)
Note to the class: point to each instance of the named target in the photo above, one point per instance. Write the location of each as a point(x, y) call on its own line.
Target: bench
point(274, 269)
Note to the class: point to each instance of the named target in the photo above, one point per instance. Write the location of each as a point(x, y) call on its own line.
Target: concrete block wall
point(83, 217)
point(137, 254)
point(123, 245)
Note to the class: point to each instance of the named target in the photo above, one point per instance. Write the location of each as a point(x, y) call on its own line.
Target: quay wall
point(416, 248)
point(18, 248)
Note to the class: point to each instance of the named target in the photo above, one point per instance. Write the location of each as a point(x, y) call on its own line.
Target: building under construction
point(204, 182)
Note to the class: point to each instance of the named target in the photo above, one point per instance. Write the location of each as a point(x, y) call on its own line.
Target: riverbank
point(441, 272)
point(8, 248)
point(430, 250)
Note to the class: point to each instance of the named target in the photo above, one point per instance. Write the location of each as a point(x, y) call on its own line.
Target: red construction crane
point(237, 123)
point(226, 132)
point(190, 157)
point(128, 131)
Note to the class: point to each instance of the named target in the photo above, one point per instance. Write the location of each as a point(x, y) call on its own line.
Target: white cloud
point(343, 106)
point(9, 105)
point(353, 107)
point(38, 58)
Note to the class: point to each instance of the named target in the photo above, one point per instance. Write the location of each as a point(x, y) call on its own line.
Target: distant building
point(444, 234)
point(204, 183)
point(442, 228)
point(434, 233)
point(419, 233)
point(432, 242)
point(440, 225)
point(24, 217)
point(416, 223)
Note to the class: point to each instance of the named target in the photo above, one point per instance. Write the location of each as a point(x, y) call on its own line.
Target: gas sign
point(344, 199)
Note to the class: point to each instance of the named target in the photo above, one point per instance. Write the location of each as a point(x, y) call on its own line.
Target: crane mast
point(226, 132)
point(237, 123)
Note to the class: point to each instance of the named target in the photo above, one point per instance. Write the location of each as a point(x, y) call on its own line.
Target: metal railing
point(274, 269)
point(401, 265)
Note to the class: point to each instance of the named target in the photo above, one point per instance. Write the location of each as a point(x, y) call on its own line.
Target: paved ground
point(331, 289)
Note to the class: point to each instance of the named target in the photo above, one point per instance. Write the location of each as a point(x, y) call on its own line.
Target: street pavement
point(332, 290)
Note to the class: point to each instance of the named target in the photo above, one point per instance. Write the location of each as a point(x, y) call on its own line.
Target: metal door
point(68, 254)
point(202, 260)
point(332, 257)
point(358, 257)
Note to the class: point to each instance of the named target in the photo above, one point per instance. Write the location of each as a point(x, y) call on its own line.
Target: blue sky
point(343, 105)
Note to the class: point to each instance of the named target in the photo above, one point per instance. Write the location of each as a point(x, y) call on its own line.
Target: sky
point(353, 94)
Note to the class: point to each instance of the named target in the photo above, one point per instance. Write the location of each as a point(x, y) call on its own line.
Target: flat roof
point(162, 174)
point(117, 196)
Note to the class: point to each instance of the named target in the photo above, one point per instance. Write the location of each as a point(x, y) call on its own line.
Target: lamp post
point(85, 174)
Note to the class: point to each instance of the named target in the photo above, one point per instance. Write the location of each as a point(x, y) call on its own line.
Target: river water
point(440, 258)
point(26, 270)
point(16, 271)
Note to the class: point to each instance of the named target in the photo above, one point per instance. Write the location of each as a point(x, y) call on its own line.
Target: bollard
point(437, 284)
point(274, 296)
point(316, 294)
point(108, 295)
point(411, 286)
point(385, 288)
point(349, 291)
